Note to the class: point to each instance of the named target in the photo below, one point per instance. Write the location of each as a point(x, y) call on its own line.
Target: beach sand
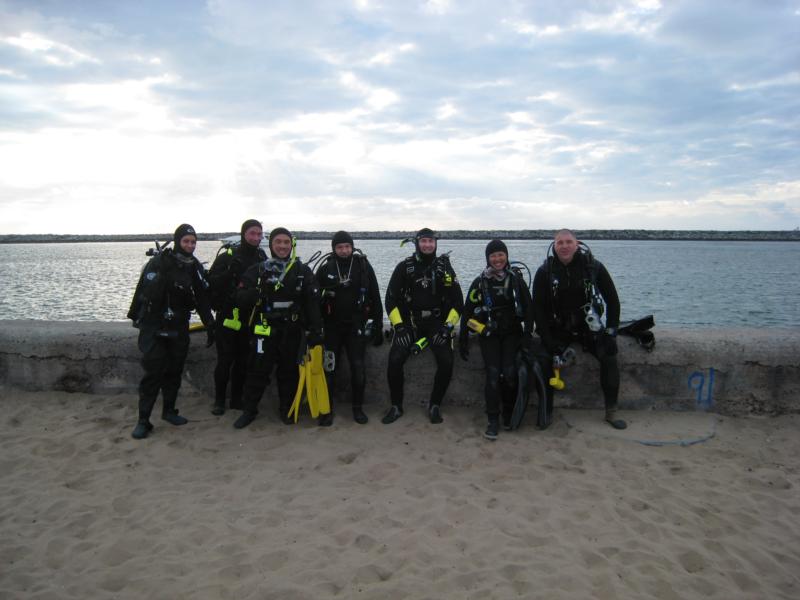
point(409, 510)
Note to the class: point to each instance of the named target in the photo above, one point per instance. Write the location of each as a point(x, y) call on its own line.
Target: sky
point(366, 115)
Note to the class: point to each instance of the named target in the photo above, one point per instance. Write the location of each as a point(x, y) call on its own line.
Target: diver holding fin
point(575, 300)
point(498, 309)
point(311, 386)
point(352, 314)
point(279, 299)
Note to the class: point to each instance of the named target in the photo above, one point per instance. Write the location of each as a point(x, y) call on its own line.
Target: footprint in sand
point(347, 458)
point(692, 561)
point(371, 574)
point(364, 542)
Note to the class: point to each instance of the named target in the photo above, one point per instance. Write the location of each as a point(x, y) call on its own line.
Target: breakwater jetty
point(729, 371)
point(472, 234)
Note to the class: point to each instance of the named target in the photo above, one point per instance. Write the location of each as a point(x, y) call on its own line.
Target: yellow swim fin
point(295, 408)
point(317, 384)
point(311, 397)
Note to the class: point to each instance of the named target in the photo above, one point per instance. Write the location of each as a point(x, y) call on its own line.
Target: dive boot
point(285, 413)
point(435, 414)
point(325, 420)
point(244, 420)
point(218, 409)
point(492, 428)
point(507, 419)
point(395, 412)
point(143, 427)
point(173, 418)
point(359, 416)
point(611, 419)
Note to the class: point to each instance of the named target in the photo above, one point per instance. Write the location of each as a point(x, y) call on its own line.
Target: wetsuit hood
point(496, 246)
point(341, 237)
point(273, 234)
point(425, 232)
point(182, 231)
point(246, 248)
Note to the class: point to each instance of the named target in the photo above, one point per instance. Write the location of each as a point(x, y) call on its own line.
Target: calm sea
point(680, 282)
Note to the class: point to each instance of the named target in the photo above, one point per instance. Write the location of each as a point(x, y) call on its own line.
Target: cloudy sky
point(127, 117)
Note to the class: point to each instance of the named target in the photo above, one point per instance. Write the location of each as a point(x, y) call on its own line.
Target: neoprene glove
point(210, 335)
point(443, 336)
point(403, 337)
point(315, 338)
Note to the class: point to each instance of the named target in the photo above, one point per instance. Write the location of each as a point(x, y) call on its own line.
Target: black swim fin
point(639, 329)
point(544, 414)
point(523, 391)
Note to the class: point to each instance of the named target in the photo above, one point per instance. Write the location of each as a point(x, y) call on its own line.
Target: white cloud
point(787, 80)
point(548, 96)
point(446, 111)
point(53, 52)
point(436, 7)
point(389, 56)
point(600, 109)
point(130, 104)
point(641, 18)
point(11, 74)
point(527, 28)
point(377, 98)
point(636, 20)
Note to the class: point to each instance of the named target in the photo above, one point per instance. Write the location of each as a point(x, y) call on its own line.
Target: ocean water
point(689, 283)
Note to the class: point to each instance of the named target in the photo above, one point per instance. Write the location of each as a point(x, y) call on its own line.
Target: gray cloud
point(606, 108)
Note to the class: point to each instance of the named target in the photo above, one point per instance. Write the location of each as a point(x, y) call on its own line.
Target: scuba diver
point(424, 302)
point(233, 336)
point(352, 313)
point(498, 308)
point(279, 299)
point(572, 294)
point(172, 284)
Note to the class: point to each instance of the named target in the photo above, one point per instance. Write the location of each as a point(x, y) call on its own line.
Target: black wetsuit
point(171, 285)
point(560, 293)
point(233, 335)
point(424, 288)
point(505, 308)
point(349, 298)
point(278, 313)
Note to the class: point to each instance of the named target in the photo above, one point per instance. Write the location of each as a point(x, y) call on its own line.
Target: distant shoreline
point(525, 234)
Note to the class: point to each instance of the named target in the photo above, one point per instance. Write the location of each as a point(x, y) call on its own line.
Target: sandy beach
point(409, 510)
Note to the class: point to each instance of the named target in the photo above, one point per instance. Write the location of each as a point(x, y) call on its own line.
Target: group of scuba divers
point(275, 313)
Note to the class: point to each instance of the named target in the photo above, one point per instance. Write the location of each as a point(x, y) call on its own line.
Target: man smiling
point(573, 294)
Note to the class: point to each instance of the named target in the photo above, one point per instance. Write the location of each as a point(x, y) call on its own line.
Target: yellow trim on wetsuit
point(452, 317)
point(394, 317)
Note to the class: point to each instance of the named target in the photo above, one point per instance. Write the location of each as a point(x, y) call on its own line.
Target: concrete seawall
point(730, 371)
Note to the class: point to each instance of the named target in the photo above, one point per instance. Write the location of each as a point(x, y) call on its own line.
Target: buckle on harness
point(262, 329)
point(427, 314)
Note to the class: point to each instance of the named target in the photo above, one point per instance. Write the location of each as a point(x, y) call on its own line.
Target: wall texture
point(730, 371)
